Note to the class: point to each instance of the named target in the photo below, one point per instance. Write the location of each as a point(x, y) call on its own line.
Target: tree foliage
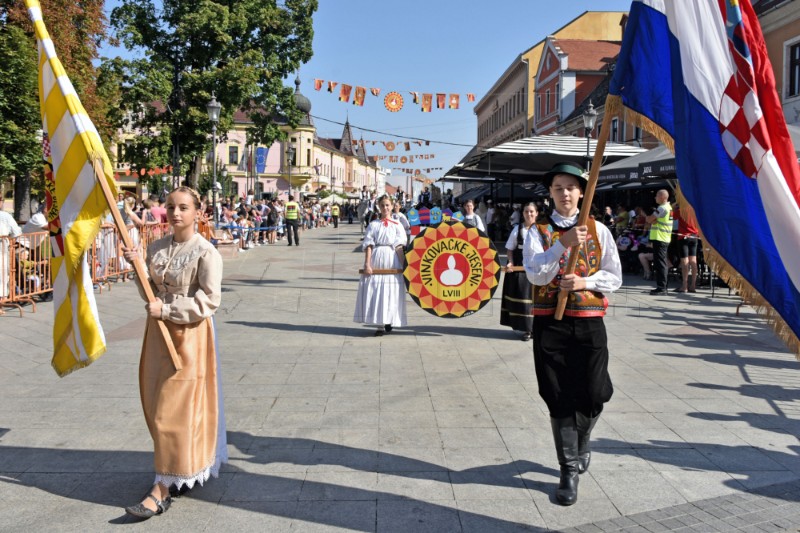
point(240, 50)
point(77, 30)
point(20, 153)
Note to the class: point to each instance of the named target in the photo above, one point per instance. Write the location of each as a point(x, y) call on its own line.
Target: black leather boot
point(585, 426)
point(565, 435)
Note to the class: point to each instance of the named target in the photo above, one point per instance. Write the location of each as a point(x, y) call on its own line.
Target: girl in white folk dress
point(381, 298)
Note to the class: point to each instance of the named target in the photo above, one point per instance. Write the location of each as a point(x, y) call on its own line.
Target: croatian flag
point(697, 73)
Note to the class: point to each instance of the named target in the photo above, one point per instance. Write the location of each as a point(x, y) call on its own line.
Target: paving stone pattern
point(435, 427)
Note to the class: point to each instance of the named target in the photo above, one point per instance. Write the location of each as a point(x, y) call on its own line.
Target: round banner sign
point(393, 101)
point(452, 269)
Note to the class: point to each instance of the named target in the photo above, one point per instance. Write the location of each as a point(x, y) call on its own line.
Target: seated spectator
point(8, 228)
point(621, 220)
point(29, 278)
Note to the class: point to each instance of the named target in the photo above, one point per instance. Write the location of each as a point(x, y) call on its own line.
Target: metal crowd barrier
point(105, 255)
point(25, 263)
point(24, 270)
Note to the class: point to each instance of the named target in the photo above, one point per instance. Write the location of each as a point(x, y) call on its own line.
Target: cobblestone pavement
point(436, 427)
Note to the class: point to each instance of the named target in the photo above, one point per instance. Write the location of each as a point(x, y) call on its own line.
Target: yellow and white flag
point(76, 205)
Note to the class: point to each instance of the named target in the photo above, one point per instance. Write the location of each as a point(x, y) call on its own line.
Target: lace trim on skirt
point(201, 477)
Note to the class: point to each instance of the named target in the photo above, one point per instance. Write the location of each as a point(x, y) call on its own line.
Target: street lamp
point(289, 161)
point(589, 118)
point(214, 108)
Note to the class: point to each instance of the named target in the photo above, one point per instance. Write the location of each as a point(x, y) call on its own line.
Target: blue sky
point(445, 46)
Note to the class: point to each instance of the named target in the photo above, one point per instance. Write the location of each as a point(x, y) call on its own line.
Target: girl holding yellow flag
point(183, 408)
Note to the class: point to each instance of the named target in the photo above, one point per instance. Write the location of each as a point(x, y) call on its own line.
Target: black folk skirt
point(516, 310)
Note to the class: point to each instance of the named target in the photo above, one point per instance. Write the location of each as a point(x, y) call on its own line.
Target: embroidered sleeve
point(511, 243)
point(541, 265)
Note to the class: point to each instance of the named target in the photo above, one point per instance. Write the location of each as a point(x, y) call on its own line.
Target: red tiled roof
point(588, 55)
point(330, 144)
point(390, 189)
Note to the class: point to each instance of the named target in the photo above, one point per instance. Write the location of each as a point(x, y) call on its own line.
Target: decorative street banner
point(261, 159)
point(394, 104)
point(452, 269)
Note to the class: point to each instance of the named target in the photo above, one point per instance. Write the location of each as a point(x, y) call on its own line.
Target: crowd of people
point(258, 222)
point(655, 243)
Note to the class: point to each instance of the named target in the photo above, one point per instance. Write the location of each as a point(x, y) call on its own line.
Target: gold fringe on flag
point(614, 107)
point(751, 296)
point(715, 261)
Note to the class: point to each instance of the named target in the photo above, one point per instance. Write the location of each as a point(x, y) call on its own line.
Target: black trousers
point(291, 227)
point(335, 222)
point(660, 263)
point(571, 360)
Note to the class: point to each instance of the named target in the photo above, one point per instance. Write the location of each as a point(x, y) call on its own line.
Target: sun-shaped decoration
point(393, 101)
point(452, 269)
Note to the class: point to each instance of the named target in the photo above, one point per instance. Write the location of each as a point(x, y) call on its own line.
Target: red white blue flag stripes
point(697, 73)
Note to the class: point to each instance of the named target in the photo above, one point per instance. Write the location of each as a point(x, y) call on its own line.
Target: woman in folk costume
point(571, 355)
point(183, 409)
point(471, 217)
point(381, 298)
point(517, 308)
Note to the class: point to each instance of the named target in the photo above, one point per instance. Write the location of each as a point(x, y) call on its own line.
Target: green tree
point(77, 30)
point(207, 180)
point(240, 50)
point(20, 151)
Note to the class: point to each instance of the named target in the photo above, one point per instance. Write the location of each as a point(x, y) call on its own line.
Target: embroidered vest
point(579, 303)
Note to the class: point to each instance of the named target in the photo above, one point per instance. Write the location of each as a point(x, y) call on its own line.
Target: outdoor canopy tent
point(503, 193)
point(332, 199)
point(529, 159)
point(637, 166)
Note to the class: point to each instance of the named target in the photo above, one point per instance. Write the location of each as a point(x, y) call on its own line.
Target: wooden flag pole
point(384, 271)
point(138, 265)
point(588, 197)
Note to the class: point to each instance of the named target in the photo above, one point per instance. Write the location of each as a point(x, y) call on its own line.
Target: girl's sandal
point(140, 511)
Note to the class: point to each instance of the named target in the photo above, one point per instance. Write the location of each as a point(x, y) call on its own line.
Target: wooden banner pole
point(138, 265)
point(586, 205)
point(383, 271)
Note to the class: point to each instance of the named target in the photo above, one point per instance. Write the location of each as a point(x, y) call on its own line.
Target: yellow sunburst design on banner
point(452, 269)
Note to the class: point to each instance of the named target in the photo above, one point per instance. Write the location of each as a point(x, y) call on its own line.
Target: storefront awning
point(529, 159)
point(636, 167)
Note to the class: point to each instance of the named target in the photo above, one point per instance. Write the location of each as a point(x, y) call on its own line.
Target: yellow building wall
point(592, 25)
point(775, 49)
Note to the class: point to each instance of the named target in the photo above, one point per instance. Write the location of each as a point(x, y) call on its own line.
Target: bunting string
point(393, 101)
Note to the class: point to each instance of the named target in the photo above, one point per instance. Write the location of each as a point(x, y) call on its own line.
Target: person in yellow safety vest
point(660, 236)
point(335, 215)
point(292, 217)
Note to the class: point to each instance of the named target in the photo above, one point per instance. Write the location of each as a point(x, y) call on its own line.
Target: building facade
point(303, 164)
point(568, 72)
point(780, 23)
